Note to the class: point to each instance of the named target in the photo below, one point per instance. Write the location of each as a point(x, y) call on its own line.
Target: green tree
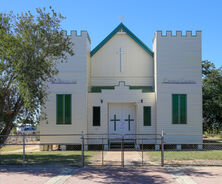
point(30, 49)
point(212, 96)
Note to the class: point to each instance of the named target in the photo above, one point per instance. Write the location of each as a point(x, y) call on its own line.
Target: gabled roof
point(125, 29)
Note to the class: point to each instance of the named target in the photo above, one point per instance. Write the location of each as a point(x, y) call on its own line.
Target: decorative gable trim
point(125, 29)
point(145, 89)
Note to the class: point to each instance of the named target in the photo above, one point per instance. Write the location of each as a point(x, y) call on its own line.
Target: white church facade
point(122, 87)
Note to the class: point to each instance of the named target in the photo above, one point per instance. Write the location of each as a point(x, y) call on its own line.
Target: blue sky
point(142, 17)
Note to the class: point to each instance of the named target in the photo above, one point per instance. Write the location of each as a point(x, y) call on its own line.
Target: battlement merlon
point(73, 33)
point(188, 34)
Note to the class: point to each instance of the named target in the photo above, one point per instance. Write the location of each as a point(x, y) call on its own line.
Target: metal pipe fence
point(105, 149)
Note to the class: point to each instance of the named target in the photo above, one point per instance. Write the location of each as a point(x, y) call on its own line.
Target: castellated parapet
point(178, 34)
point(73, 34)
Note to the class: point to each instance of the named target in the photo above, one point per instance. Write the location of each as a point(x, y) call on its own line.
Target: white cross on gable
point(121, 18)
point(121, 52)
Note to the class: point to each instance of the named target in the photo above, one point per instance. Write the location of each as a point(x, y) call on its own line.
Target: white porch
point(121, 112)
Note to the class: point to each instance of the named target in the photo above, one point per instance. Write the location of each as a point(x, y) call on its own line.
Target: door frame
point(108, 111)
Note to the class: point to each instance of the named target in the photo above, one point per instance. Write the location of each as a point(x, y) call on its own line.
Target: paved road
point(105, 175)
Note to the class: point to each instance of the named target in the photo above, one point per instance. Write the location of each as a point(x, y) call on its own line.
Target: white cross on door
point(122, 119)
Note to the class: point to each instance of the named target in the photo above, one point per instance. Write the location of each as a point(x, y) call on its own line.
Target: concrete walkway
point(105, 175)
point(30, 174)
point(151, 175)
point(114, 158)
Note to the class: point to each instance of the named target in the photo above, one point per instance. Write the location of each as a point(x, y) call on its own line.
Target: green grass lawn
point(52, 157)
point(186, 155)
point(74, 157)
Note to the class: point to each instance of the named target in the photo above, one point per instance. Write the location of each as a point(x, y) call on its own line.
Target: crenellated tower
point(177, 70)
point(73, 78)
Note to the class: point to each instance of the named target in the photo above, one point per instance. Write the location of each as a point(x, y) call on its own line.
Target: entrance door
point(122, 119)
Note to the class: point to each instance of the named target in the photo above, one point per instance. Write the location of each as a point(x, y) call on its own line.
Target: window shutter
point(175, 109)
point(183, 109)
point(67, 109)
point(147, 116)
point(59, 109)
point(96, 116)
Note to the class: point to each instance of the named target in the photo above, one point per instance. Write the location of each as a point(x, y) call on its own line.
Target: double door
point(122, 119)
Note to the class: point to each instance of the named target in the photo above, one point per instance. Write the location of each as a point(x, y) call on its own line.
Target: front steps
point(117, 144)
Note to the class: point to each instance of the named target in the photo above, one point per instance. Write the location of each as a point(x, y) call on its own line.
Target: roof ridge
point(124, 28)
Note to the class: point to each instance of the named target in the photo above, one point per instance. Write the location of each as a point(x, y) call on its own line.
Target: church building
point(122, 87)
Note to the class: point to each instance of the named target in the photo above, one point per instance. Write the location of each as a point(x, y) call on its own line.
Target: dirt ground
point(105, 175)
point(28, 148)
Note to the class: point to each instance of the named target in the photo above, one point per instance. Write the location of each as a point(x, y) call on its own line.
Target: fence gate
point(123, 150)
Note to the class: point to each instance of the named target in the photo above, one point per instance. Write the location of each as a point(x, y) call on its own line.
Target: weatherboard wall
point(178, 71)
point(137, 64)
point(73, 78)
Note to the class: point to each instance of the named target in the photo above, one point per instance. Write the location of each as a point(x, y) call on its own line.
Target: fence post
point(142, 151)
point(23, 144)
point(102, 150)
point(162, 149)
point(83, 157)
point(122, 150)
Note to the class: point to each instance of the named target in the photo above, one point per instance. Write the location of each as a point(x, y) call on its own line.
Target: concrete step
point(117, 145)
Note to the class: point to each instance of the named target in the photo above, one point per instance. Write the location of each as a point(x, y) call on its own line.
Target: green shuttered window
point(96, 116)
point(63, 109)
point(179, 108)
point(147, 116)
